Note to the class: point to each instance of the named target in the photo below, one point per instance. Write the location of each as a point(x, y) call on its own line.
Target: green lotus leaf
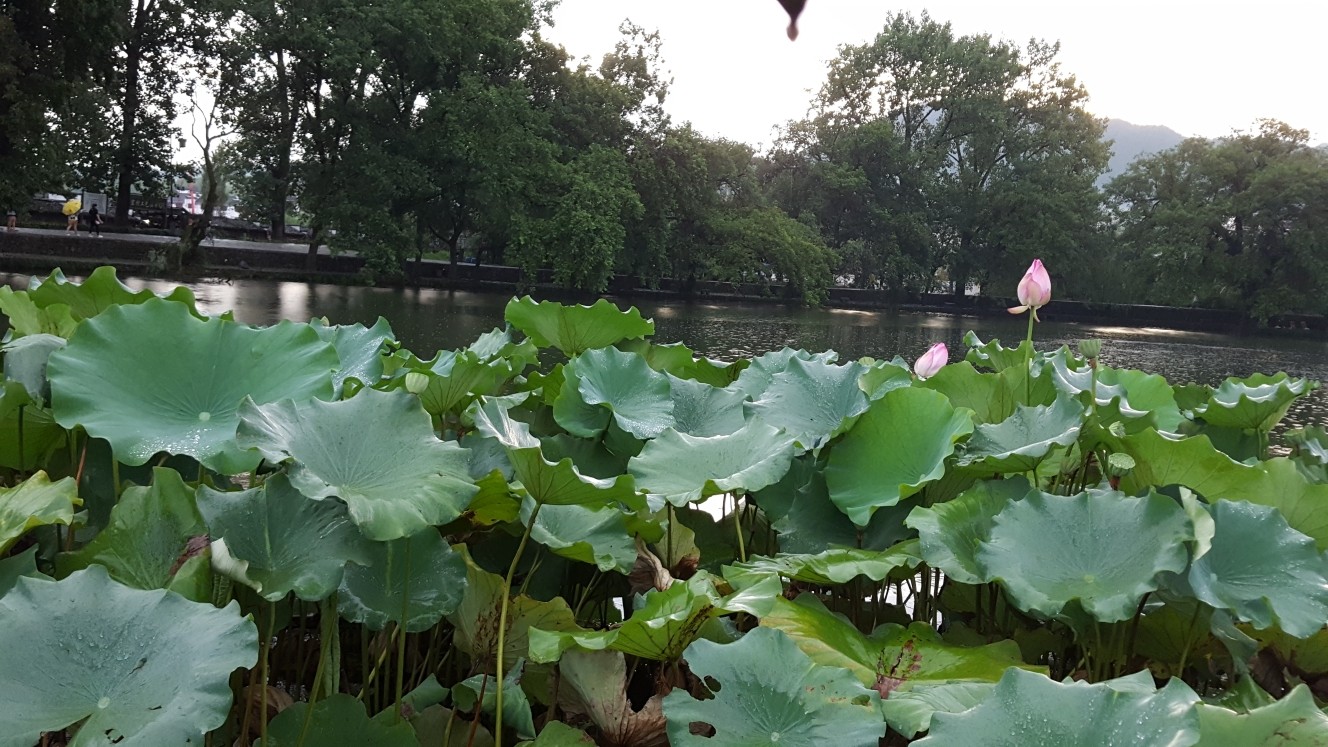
point(516, 707)
point(337, 721)
point(909, 712)
point(716, 373)
point(594, 683)
point(597, 535)
point(776, 499)
point(40, 434)
point(138, 667)
point(27, 318)
point(665, 623)
point(284, 541)
point(682, 468)
point(675, 358)
point(991, 397)
point(754, 379)
point(700, 409)
point(376, 451)
point(1020, 442)
point(476, 620)
point(893, 657)
point(837, 565)
point(1195, 464)
point(636, 397)
point(1099, 547)
point(1293, 721)
point(899, 445)
point(498, 343)
point(1263, 570)
point(20, 565)
point(590, 457)
point(882, 377)
point(811, 400)
point(1121, 394)
point(813, 524)
point(1257, 402)
point(156, 540)
point(420, 571)
point(769, 692)
point(25, 362)
point(97, 293)
point(1030, 709)
point(454, 386)
point(1309, 444)
point(558, 734)
point(431, 730)
point(35, 502)
point(576, 329)
point(152, 378)
point(359, 348)
point(993, 356)
point(952, 532)
point(555, 484)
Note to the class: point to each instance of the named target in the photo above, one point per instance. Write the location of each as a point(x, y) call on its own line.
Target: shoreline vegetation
point(42, 253)
point(569, 533)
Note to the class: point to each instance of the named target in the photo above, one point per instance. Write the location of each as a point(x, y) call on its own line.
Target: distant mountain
point(1133, 141)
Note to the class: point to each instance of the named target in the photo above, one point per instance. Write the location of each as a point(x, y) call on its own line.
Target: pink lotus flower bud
point(1034, 289)
point(932, 361)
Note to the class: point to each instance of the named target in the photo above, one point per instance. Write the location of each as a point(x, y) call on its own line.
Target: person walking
point(94, 222)
point(12, 225)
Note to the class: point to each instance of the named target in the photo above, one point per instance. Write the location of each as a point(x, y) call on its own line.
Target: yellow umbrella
point(72, 207)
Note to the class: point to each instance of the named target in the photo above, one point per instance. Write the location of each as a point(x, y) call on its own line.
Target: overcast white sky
point(1199, 67)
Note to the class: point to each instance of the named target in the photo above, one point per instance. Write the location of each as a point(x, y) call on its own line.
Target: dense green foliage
point(928, 161)
point(570, 534)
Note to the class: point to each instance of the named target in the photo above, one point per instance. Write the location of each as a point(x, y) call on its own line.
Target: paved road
point(262, 246)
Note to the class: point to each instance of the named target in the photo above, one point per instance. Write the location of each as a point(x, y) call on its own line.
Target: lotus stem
point(262, 664)
point(502, 624)
point(115, 476)
point(21, 445)
point(1028, 365)
point(313, 690)
point(737, 526)
point(381, 657)
point(479, 706)
point(1189, 642)
point(401, 641)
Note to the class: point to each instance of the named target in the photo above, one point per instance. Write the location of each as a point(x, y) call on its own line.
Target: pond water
point(426, 320)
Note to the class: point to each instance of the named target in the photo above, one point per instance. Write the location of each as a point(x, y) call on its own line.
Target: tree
point(1240, 222)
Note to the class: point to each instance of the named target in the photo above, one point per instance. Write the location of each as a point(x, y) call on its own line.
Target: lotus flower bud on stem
point(1034, 290)
point(1118, 466)
point(1090, 349)
point(932, 361)
point(416, 382)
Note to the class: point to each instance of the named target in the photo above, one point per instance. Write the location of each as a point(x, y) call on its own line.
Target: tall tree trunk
point(281, 175)
point(129, 111)
point(311, 259)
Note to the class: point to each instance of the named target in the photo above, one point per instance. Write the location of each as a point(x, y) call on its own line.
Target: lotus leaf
point(476, 620)
point(142, 667)
point(283, 541)
point(813, 524)
point(27, 318)
point(991, 397)
point(453, 387)
point(156, 540)
point(35, 502)
point(776, 499)
point(590, 457)
point(359, 348)
point(1293, 721)
point(431, 730)
point(909, 712)
point(420, 573)
point(610, 383)
point(337, 721)
point(594, 683)
point(899, 445)
point(576, 329)
point(39, 433)
point(558, 734)
point(1257, 402)
point(516, 707)
point(376, 451)
point(811, 400)
point(1120, 394)
point(1263, 570)
point(25, 362)
point(882, 377)
point(21, 565)
point(546, 482)
point(674, 358)
point(892, 657)
point(97, 293)
point(952, 532)
point(1030, 709)
point(152, 378)
point(992, 355)
point(1100, 547)
point(665, 624)
point(700, 409)
point(761, 372)
point(597, 535)
point(1020, 442)
point(498, 343)
point(682, 468)
point(772, 693)
point(1310, 444)
point(834, 566)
